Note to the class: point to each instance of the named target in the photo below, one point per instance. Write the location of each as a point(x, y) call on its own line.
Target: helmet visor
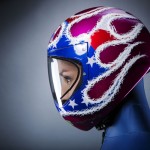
point(64, 78)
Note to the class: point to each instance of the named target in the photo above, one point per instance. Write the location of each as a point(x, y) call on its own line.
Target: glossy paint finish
point(116, 57)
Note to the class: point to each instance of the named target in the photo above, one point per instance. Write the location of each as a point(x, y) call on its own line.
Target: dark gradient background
point(28, 118)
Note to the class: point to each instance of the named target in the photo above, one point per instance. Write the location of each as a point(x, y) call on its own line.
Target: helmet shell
point(113, 48)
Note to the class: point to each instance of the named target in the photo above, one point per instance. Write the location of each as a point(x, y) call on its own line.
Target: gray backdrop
point(28, 118)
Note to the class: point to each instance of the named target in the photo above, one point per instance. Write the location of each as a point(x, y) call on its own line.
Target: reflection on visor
point(64, 78)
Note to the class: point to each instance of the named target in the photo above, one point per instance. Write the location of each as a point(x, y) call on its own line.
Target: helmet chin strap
point(108, 120)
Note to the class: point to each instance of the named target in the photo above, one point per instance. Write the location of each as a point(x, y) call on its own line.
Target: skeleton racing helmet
point(95, 58)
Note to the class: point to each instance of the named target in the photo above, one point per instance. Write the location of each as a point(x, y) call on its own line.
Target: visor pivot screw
point(84, 73)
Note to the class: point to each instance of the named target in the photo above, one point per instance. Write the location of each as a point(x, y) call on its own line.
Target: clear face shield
point(64, 78)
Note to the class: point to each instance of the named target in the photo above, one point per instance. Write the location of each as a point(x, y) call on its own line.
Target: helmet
point(95, 58)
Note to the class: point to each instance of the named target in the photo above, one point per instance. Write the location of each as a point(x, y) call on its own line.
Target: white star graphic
point(72, 103)
point(91, 61)
point(85, 102)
